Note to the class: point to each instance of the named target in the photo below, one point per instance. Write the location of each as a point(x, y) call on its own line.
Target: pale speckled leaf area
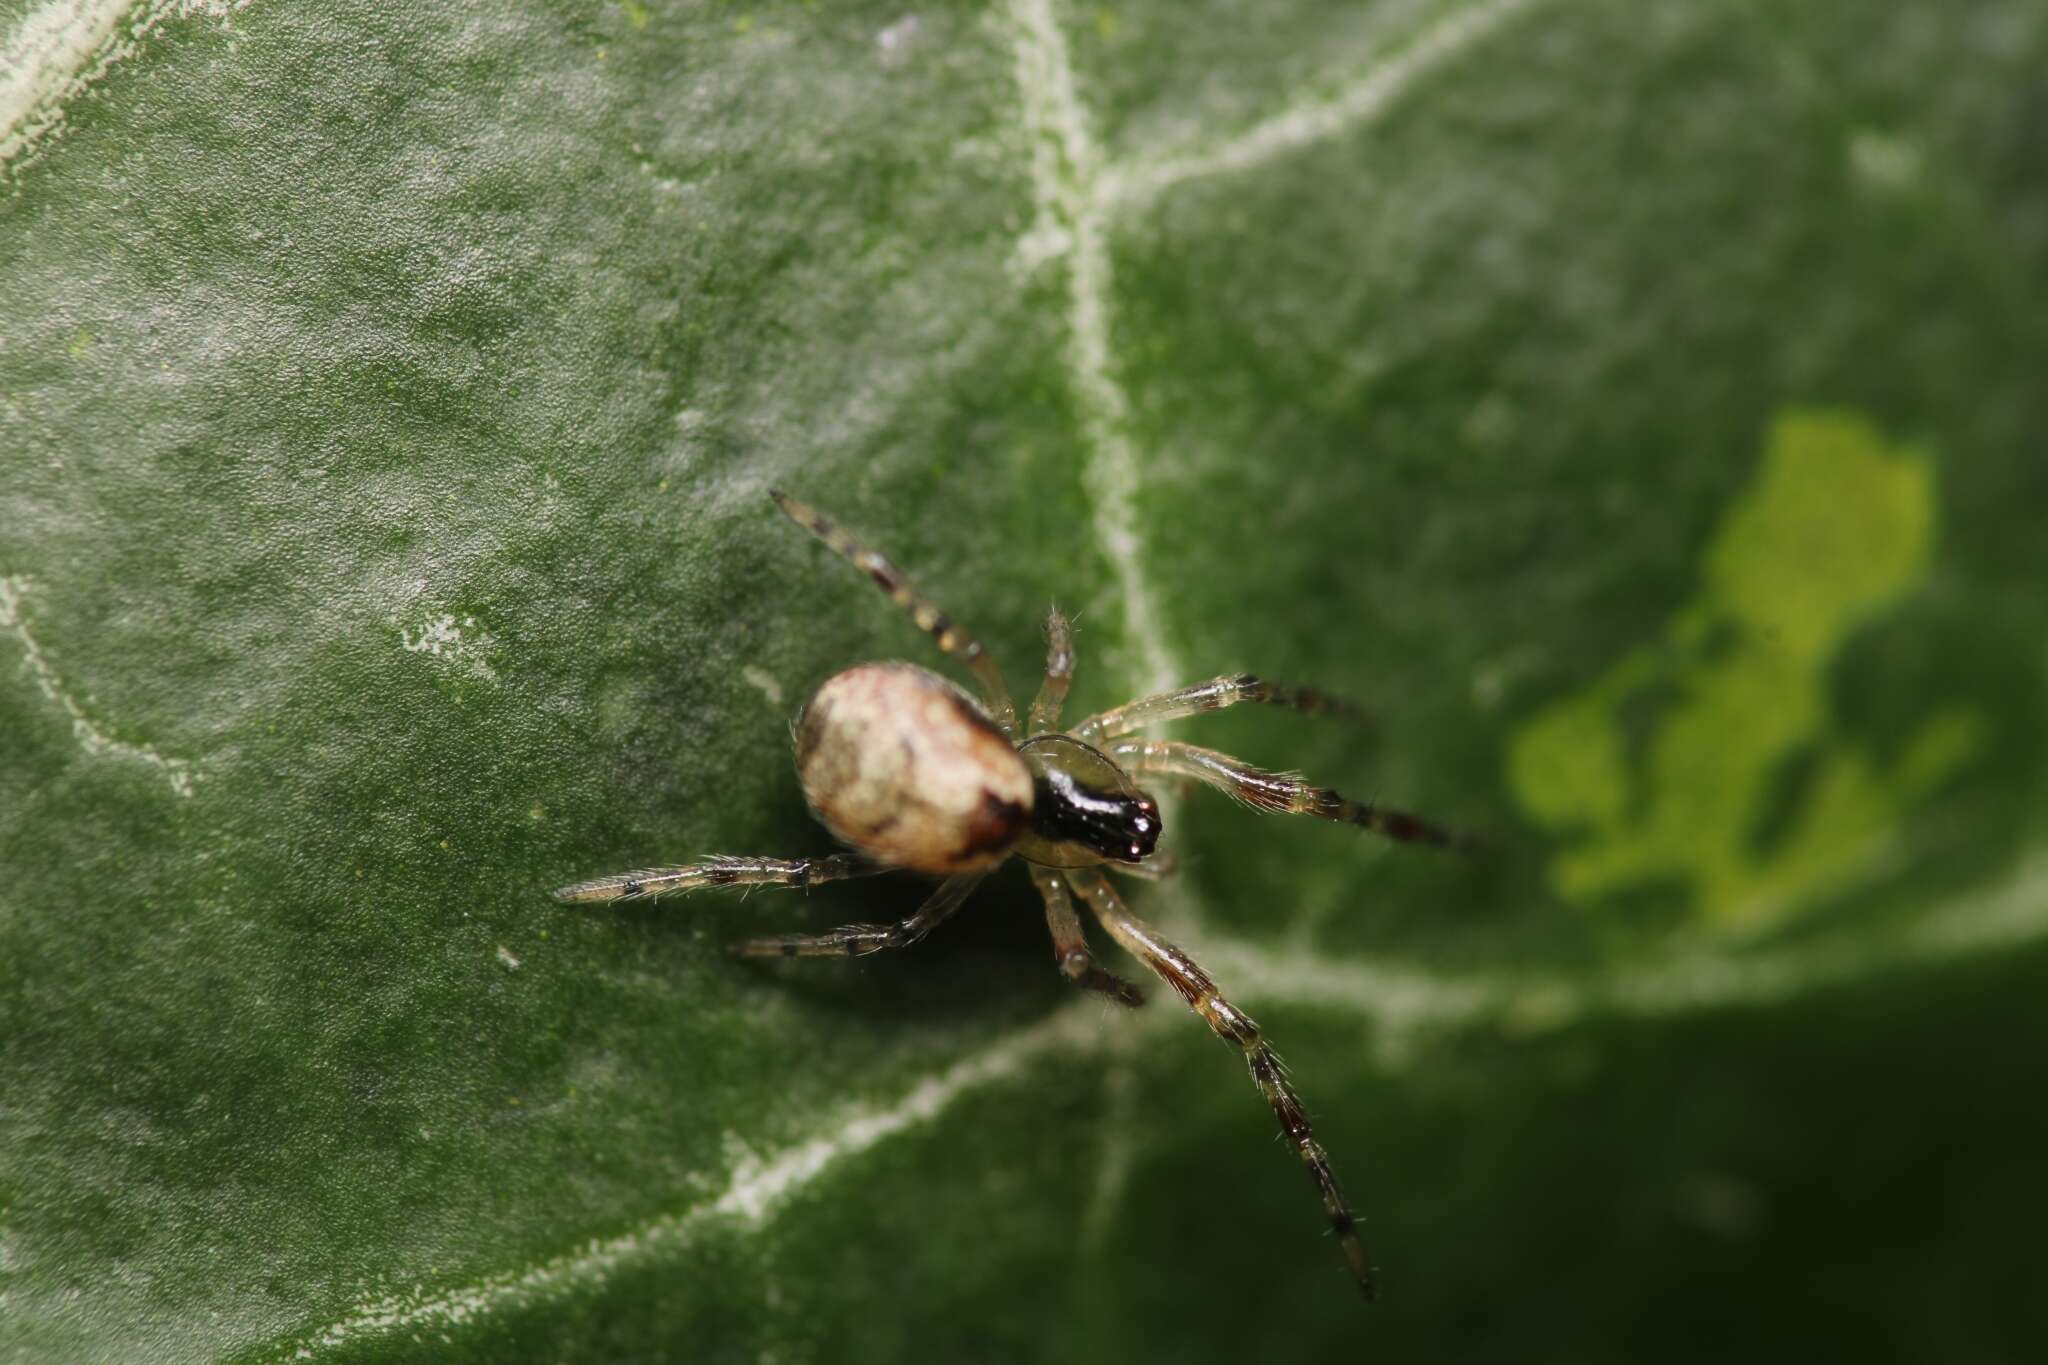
point(387, 400)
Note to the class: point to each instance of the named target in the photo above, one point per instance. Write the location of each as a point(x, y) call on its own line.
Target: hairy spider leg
point(951, 637)
point(1286, 793)
point(1235, 1027)
point(858, 940)
point(1070, 945)
point(1213, 695)
point(720, 871)
point(1059, 673)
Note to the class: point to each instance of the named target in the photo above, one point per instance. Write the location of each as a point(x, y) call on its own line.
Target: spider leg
point(858, 940)
point(1212, 695)
point(1286, 793)
point(1070, 946)
point(952, 638)
point(1235, 1027)
point(1157, 868)
point(720, 871)
point(1059, 673)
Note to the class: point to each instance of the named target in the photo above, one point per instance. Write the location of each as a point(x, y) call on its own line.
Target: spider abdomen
point(904, 767)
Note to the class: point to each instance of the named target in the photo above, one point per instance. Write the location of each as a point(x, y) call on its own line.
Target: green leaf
point(1636, 404)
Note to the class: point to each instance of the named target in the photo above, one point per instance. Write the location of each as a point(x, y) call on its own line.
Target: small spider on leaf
point(914, 775)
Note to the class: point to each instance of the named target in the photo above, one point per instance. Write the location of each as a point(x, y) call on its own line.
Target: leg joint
point(1229, 1022)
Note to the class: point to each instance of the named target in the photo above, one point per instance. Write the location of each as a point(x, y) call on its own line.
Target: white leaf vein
point(94, 741)
point(755, 1191)
point(57, 51)
point(1352, 106)
point(1070, 209)
point(2012, 914)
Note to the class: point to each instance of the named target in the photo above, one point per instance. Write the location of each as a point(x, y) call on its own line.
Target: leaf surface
point(1635, 405)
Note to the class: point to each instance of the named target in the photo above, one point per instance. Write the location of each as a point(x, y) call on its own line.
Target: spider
point(914, 775)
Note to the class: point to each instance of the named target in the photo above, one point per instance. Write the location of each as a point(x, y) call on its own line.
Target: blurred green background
point(1637, 405)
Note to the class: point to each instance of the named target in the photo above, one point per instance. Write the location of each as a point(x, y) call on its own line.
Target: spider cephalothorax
point(912, 774)
point(1088, 810)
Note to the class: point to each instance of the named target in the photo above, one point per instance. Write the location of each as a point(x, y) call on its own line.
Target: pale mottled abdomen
point(903, 766)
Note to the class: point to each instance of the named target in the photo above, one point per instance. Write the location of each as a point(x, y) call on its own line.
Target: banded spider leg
point(1235, 1027)
point(1286, 793)
point(1070, 945)
point(858, 940)
point(1213, 695)
point(951, 637)
point(649, 882)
